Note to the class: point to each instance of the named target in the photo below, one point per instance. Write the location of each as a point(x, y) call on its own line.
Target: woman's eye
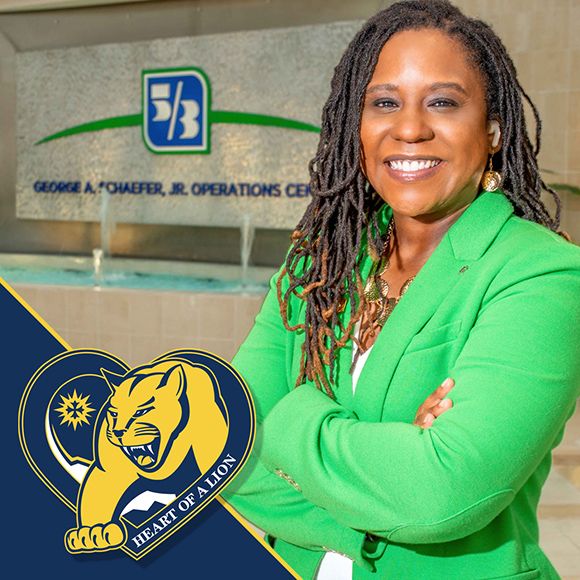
point(385, 104)
point(442, 103)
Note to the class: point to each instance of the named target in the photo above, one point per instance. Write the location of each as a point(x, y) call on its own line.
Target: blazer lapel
point(466, 241)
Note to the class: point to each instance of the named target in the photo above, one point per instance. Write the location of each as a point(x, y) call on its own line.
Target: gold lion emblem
point(155, 417)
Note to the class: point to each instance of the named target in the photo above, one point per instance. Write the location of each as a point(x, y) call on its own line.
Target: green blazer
point(497, 308)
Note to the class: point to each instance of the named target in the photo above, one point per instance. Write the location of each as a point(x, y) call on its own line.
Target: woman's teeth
point(417, 165)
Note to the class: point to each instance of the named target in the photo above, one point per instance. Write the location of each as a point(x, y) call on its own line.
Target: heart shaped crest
point(135, 453)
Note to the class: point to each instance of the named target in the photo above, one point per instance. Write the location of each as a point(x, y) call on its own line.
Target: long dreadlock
point(324, 261)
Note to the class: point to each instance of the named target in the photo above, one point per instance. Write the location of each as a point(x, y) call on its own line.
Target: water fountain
point(98, 267)
point(248, 232)
point(107, 229)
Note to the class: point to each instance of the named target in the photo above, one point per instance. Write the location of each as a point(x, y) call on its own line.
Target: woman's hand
point(434, 405)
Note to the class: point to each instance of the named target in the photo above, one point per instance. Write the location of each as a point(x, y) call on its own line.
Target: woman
point(423, 103)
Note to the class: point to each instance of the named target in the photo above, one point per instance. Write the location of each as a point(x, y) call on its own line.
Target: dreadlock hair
point(326, 252)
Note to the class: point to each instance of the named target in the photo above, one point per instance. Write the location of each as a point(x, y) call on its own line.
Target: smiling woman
point(411, 269)
point(425, 141)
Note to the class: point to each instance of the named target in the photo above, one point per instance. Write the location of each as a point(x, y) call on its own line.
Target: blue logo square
point(175, 111)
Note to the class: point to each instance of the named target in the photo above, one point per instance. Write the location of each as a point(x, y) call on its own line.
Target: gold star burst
point(75, 409)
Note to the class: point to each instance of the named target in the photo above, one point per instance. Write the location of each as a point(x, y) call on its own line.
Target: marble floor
point(559, 510)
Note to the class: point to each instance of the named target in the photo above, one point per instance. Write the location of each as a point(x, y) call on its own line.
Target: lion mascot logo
point(158, 418)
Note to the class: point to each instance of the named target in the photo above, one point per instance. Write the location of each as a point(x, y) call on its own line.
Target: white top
point(335, 566)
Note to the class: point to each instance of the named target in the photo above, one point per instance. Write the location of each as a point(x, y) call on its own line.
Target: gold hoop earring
point(491, 179)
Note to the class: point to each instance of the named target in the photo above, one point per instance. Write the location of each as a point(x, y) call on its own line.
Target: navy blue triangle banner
point(115, 470)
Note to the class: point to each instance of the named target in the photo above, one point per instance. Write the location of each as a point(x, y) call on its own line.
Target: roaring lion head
point(145, 414)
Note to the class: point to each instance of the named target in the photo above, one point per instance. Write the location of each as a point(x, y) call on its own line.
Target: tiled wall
point(543, 38)
point(140, 325)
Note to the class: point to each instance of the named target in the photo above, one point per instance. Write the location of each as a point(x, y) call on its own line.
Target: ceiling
point(92, 22)
point(89, 22)
point(29, 5)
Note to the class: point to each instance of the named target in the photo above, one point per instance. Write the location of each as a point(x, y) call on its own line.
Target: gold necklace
point(377, 293)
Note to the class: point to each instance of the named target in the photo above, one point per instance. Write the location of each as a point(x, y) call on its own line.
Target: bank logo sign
point(176, 104)
point(176, 114)
point(135, 453)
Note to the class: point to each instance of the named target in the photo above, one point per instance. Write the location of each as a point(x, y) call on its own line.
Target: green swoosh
point(214, 117)
point(253, 119)
point(112, 123)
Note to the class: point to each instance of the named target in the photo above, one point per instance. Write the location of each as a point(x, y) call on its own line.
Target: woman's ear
point(494, 136)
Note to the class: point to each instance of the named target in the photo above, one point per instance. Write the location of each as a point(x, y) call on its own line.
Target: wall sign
point(212, 130)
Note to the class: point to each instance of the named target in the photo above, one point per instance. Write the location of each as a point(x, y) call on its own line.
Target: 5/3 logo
point(176, 104)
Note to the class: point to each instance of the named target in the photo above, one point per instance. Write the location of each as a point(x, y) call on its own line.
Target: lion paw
point(99, 537)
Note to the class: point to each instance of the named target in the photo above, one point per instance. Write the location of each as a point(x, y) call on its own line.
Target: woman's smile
point(424, 137)
point(407, 169)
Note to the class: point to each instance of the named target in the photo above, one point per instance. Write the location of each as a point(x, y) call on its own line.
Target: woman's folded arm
point(516, 383)
point(274, 505)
